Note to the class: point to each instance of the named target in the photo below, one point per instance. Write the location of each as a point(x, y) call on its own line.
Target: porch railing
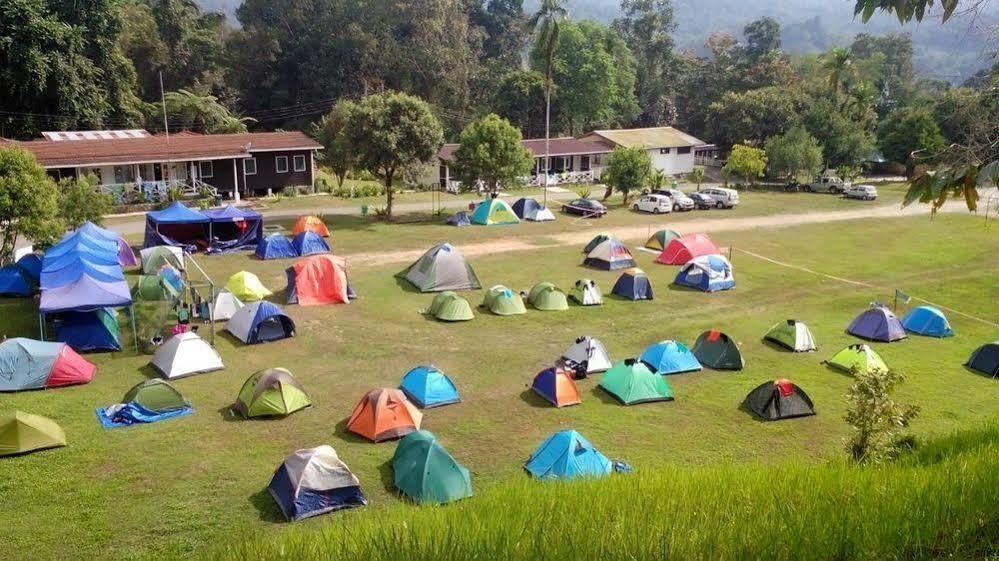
point(156, 191)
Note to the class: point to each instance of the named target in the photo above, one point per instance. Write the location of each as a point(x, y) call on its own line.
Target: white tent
point(225, 306)
point(539, 214)
point(185, 354)
point(586, 293)
point(591, 351)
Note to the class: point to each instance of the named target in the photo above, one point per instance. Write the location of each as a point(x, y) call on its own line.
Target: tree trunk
point(388, 194)
point(548, 116)
point(608, 192)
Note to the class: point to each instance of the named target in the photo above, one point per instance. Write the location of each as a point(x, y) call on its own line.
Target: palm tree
point(839, 64)
point(696, 176)
point(547, 23)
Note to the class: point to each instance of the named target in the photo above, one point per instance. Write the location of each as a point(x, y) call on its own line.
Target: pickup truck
point(827, 184)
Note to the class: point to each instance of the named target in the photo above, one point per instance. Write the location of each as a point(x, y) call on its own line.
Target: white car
point(862, 192)
point(680, 199)
point(723, 197)
point(656, 204)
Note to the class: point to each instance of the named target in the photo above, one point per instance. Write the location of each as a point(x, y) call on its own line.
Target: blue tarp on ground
point(927, 320)
point(178, 226)
point(16, 282)
point(234, 229)
point(309, 243)
point(426, 386)
point(275, 246)
point(127, 414)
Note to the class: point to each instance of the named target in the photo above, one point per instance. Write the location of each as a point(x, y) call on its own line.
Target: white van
point(723, 197)
point(862, 192)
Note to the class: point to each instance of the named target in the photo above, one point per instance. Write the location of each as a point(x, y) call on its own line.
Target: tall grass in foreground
point(939, 501)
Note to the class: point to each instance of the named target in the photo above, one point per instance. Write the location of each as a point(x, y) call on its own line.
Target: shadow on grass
point(604, 397)
point(267, 509)
point(749, 412)
point(341, 431)
point(229, 415)
point(149, 372)
point(407, 286)
point(531, 398)
point(387, 476)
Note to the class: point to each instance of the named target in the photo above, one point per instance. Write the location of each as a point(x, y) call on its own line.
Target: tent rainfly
point(384, 414)
point(225, 306)
point(792, 335)
point(441, 268)
point(717, 350)
point(22, 433)
point(780, 399)
point(426, 472)
point(567, 455)
point(314, 481)
point(272, 392)
point(185, 354)
point(502, 301)
point(588, 352)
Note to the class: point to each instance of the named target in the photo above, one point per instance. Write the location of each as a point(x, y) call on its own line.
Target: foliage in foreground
point(938, 501)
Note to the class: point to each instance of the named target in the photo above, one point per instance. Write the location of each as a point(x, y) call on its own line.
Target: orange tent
point(311, 223)
point(556, 386)
point(384, 414)
point(681, 250)
point(319, 279)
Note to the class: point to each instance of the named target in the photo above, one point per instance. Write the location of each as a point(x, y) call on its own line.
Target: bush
point(290, 191)
point(358, 190)
point(877, 420)
point(583, 191)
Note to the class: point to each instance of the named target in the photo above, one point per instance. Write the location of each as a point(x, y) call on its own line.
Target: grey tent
point(441, 268)
point(589, 353)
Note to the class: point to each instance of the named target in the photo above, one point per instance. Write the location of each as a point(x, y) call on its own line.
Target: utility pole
point(166, 126)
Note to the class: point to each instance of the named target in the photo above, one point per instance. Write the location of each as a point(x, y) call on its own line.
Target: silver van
point(723, 197)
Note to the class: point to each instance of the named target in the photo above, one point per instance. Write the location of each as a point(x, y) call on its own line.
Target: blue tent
point(69, 269)
point(275, 246)
point(234, 229)
point(669, 357)
point(877, 323)
point(709, 273)
point(16, 282)
point(633, 284)
point(309, 243)
point(524, 206)
point(927, 320)
point(565, 455)
point(79, 241)
point(427, 387)
point(259, 322)
point(32, 265)
point(459, 218)
point(314, 481)
point(178, 226)
point(89, 331)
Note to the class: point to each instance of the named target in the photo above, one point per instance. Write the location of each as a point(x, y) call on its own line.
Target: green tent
point(491, 212)
point(155, 257)
point(586, 293)
point(791, 334)
point(661, 239)
point(502, 301)
point(149, 288)
point(272, 392)
point(156, 395)
point(547, 297)
point(631, 382)
point(859, 356)
point(597, 240)
point(21, 433)
point(425, 472)
point(448, 306)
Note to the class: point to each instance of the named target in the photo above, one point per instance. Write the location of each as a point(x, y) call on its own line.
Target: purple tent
point(234, 229)
point(877, 324)
point(178, 226)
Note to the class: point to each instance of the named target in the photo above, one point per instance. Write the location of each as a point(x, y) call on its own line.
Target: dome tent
point(502, 301)
point(309, 243)
point(384, 414)
point(780, 399)
point(567, 455)
point(317, 280)
point(149, 288)
point(669, 357)
point(928, 321)
point(492, 212)
point(588, 351)
point(547, 297)
point(586, 293)
point(275, 246)
point(426, 472)
point(792, 335)
point(985, 359)
point(659, 240)
point(859, 356)
point(314, 481)
point(448, 306)
point(633, 284)
point(153, 258)
point(531, 210)
point(555, 386)
point(877, 323)
point(441, 268)
point(710, 273)
point(596, 240)
point(185, 354)
point(15, 282)
point(631, 382)
point(718, 351)
point(95, 330)
point(26, 364)
point(259, 322)
point(156, 395)
point(21, 433)
point(459, 218)
point(428, 387)
point(272, 392)
point(247, 287)
point(610, 255)
point(310, 224)
point(680, 250)
point(225, 306)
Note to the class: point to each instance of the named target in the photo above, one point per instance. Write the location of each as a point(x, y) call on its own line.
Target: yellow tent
point(247, 287)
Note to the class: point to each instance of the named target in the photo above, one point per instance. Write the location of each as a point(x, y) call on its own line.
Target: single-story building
point(250, 163)
point(582, 159)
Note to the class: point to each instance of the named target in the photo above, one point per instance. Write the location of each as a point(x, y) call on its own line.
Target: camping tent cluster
point(277, 246)
point(82, 282)
point(217, 230)
point(26, 364)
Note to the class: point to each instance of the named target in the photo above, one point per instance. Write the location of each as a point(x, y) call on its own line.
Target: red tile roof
point(564, 146)
point(158, 148)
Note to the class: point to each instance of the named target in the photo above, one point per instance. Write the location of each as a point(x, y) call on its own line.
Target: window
point(281, 164)
point(664, 150)
point(299, 162)
point(683, 150)
point(250, 166)
point(206, 169)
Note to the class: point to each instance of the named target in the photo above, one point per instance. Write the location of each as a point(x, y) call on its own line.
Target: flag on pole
point(902, 297)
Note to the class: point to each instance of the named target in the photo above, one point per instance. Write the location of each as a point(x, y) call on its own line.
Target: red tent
point(318, 279)
point(681, 250)
point(70, 368)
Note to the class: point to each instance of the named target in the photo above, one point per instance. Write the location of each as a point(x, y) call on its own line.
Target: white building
point(672, 150)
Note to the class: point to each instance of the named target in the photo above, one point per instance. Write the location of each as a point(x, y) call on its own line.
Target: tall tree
point(187, 110)
point(753, 116)
point(491, 149)
point(547, 24)
point(838, 64)
point(747, 162)
point(844, 141)
point(628, 169)
point(646, 26)
point(339, 154)
point(28, 201)
point(390, 131)
point(911, 136)
point(762, 38)
point(141, 43)
point(520, 98)
point(793, 153)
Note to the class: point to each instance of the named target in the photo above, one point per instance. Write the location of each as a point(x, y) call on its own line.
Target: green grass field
point(196, 483)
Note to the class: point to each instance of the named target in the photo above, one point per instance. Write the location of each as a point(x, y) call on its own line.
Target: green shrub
point(583, 191)
point(877, 420)
point(290, 191)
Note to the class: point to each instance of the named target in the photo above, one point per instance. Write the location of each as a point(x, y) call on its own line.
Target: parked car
point(680, 199)
point(722, 197)
point(585, 207)
point(702, 201)
point(862, 192)
point(656, 204)
point(827, 184)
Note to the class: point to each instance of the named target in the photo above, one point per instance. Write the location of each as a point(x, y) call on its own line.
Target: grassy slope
point(174, 487)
